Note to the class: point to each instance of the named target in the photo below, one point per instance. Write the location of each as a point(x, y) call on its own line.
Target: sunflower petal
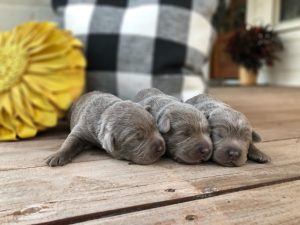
point(20, 110)
point(76, 79)
point(27, 104)
point(50, 52)
point(77, 43)
point(40, 101)
point(6, 103)
point(48, 66)
point(50, 82)
point(56, 38)
point(33, 87)
point(25, 131)
point(7, 135)
point(61, 100)
point(75, 59)
point(45, 118)
point(39, 35)
point(6, 121)
point(27, 33)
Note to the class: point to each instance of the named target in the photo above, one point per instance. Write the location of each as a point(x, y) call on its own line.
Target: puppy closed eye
point(186, 133)
point(140, 136)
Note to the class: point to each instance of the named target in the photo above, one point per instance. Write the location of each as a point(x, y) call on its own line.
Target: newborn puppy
point(124, 129)
point(231, 132)
point(184, 128)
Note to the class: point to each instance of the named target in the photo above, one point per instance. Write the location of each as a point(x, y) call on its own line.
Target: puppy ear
point(256, 137)
point(147, 108)
point(256, 155)
point(163, 123)
point(206, 114)
point(109, 142)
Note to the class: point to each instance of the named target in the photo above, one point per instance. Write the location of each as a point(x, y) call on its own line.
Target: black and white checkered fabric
point(135, 44)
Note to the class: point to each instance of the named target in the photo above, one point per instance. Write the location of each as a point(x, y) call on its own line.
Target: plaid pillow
point(135, 44)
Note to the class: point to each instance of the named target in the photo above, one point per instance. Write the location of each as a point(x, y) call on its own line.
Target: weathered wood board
point(96, 188)
point(101, 186)
point(273, 111)
point(276, 205)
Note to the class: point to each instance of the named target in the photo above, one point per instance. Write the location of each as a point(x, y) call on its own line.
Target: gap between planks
point(143, 207)
point(287, 132)
point(276, 204)
point(200, 181)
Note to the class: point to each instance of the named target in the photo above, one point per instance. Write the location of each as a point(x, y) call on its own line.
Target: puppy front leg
point(256, 155)
point(71, 147)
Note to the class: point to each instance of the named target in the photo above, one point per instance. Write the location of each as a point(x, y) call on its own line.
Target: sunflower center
point(13, 60)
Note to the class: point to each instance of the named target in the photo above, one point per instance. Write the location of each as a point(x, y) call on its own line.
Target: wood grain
point(29, 154)
point(273, 111)
point(276, 204)
point(43, 194)
point(96, 186)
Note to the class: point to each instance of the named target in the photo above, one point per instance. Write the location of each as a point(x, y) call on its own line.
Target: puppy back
point(146, 93)
point(94, 103)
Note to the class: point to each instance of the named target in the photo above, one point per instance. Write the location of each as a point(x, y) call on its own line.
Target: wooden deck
point(96, 189)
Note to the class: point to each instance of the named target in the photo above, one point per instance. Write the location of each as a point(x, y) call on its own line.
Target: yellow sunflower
point(41, 74)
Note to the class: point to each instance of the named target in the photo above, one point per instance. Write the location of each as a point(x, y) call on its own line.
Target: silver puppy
point(231, 132)
point(124, 129)
point(184, 128)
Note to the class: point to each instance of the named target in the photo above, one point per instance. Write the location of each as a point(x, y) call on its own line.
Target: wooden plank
point(12, 154)
point(107, 186)
point(81, 191)
point(276, 204)
point(273, 111)
point(267, 116)
point(29, 154)
point(259, 98)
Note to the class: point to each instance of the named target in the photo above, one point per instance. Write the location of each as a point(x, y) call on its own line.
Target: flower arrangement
point(254, 46)
point(41, 74)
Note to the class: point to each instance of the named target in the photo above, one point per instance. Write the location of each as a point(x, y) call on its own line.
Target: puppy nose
point(234, 153)
point(204, 149)
point(159, 146)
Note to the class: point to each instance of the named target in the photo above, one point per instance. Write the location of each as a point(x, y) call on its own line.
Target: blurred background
point(282, 15)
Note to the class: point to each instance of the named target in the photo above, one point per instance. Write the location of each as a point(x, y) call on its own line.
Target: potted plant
point(250, 48)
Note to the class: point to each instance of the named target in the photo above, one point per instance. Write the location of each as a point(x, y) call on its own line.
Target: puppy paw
point(57, 159)
point(259, 157)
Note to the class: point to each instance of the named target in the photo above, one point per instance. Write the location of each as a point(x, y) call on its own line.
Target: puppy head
point(133, 134)
point(146, 93)
point(185, 130)
point(231, 134)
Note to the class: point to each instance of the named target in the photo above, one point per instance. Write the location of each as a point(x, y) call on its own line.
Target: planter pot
point(247, 77)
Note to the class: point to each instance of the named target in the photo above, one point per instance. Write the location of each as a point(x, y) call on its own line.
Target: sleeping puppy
point(184, 128)
point(231, 132)
point(124, 129)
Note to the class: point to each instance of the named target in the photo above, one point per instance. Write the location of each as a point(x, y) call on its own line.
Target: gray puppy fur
point(231, 132)
point(184, 128)
point(124, 129)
